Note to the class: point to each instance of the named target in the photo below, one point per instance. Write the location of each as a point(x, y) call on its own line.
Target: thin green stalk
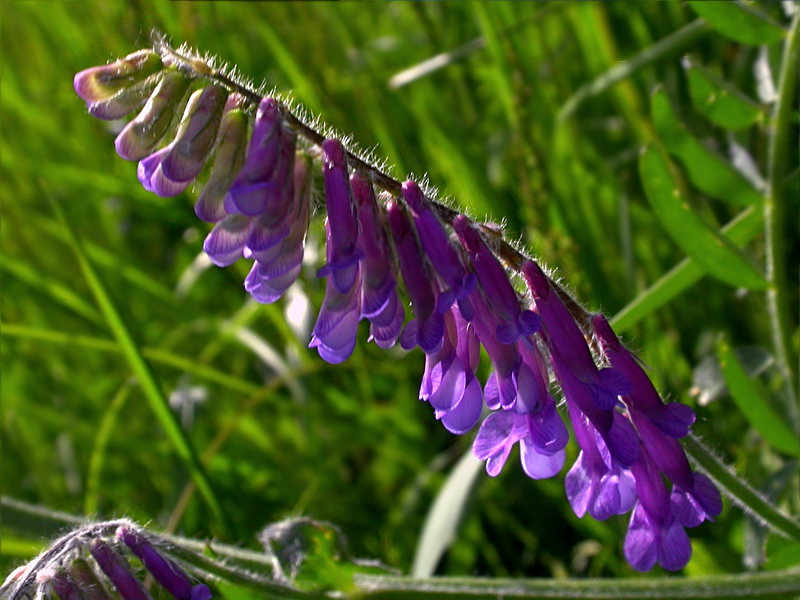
point(740, 491)
point(774, 220)
point(141, 369)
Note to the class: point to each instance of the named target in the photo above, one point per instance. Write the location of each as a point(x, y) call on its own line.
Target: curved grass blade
point(709, 172)
point(751, 398)
point(697, 239)
point(717, 100)
point(445, 515)
point(739, 22)
point(147, 381)
point(665, 46)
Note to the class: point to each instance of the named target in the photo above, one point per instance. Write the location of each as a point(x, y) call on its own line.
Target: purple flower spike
point(380, 303)
point(654, 535)
point(228, 161)
point(426, 329)
point(514, 321)
point(196, 134)
point(344, 251)
point(262, 185)
point(172, 577)
point(100, 84)
point(673, 420)
point(118, 571)
point(440, 251)
point(142, 134)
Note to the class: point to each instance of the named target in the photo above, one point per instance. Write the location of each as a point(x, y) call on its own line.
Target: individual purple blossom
point(228, 161)
point(117, 569)
point(277, 268)
point(514, 321)
point(426, 329)
point(440, 251)
point(112, 91)
point(449, 383)
point(224, 244)
point(654, 534)
point(139, 138)
point(336, 328)
point(171, 576)
point(380, 303)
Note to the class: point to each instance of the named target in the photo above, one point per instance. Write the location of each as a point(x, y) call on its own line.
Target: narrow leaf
point(718, 100)
point(709, 172)
point(751, 398)
point(739, 22)
point(445, 515)
point(714, 253)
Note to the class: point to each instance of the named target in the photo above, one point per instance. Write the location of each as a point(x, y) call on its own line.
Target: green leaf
point(739, 22)
point(708, 171)
point(696, 238)
point(751, 398)
point(782, 554)
point(718, 100)
point(445, 515)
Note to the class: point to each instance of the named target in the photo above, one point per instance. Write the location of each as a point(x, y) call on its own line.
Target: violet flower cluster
point(90, 564)
point(381, 233)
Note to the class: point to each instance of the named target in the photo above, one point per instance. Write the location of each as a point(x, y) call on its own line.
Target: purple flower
point(263, 184)
point(106, 88)
point(441, 253)
point(336, 328)
point(504, 428)
point(225, 243)
point(276, 268)
point(449, 383)
point(426, 329)
point(139, 137)
point(654, 535)
point(91, 587)
point(228, 161)
point(344, 250)
point(172, 577)
point(514, 321)
point(380, 303)
point(118, 571)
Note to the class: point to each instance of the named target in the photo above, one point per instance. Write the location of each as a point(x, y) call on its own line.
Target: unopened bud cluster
point(92, 563)
point(381, 232)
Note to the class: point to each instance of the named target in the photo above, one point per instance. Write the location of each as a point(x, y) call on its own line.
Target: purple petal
point(226, 241)
point(464, 415)
point(540, 466)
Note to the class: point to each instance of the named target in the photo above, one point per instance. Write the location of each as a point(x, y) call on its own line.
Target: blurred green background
point(281, 432)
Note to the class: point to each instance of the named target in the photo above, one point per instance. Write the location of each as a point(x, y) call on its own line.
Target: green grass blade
point(739, 231)
point(751, 398)
point(739, 22)
point(147, 381)
point(709, 172)
point(696, 238)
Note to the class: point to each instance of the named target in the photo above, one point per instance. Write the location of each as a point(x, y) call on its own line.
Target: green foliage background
point(281, 432)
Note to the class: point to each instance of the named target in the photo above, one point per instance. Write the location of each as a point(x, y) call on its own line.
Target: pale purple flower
point(336, 328)
point(441, 253)
point(224, 245)
point(171, 576)
point(449, 383)
point(514, 321)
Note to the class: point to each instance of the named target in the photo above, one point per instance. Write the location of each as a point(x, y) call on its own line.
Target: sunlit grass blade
point(147, 381)
point(445, 515)
point(668, 45)
point(696, 238)
point(751, 399)
point(740, 231)
point(718, 100)
point(739, 22)
point(708, 171)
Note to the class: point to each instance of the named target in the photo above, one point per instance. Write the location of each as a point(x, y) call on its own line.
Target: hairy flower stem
point(774, 220)
point(511, 257)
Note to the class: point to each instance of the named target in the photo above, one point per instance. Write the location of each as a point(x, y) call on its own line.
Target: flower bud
point(97, 84)
point(118, 571)
point(142, 134)
point(124, 101)
point(84, 576)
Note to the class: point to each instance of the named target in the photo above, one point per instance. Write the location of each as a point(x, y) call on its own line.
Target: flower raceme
point(380, 233)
